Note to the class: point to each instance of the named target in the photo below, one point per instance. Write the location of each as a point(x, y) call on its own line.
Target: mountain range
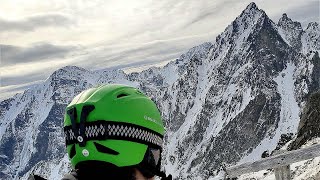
point(223, 102)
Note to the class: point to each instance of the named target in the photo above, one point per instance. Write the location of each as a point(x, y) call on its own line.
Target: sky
point(38, 37)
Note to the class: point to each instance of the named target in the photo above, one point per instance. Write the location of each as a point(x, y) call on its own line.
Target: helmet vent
point(104, 149)
point(122, 95)
point(72, 151)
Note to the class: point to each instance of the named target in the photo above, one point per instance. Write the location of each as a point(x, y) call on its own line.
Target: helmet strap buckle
point(84, 114)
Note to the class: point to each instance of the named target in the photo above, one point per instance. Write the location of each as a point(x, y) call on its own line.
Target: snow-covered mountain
point(223, 102)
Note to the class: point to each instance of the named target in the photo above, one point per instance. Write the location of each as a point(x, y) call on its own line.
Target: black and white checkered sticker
point(102, 130)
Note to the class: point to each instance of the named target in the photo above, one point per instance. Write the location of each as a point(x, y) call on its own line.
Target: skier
point(114, 132)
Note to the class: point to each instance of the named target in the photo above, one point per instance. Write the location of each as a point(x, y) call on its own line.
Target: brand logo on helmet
point(151, 119)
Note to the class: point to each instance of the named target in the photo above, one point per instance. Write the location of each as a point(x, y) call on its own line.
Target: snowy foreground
point(308, 169)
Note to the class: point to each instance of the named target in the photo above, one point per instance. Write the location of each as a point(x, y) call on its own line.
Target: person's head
point(114, 129)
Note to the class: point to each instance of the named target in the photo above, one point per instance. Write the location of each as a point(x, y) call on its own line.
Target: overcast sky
point(38, 37)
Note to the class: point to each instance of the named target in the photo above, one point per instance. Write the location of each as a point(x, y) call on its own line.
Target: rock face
point(309, 124)
point(222, 102)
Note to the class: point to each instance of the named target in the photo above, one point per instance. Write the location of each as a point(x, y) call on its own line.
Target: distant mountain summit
point(291, 31)
point(223, 102)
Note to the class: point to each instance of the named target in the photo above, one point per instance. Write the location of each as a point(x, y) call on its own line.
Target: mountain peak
point(285, 22)
point(251, 20)
point(251, 11)
point(250, 16)
point(72, 68)
point(69, 71)
point(313, 25)
point(290, 31)
point(252, 6)
point(284, 16)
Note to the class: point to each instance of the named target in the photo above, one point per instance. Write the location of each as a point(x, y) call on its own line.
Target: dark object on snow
point(265, 154)
point(36, 177)
point(284, 139)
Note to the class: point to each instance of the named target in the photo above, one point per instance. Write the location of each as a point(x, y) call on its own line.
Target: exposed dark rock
point(315, 85)
point(265, 154)
point(284, 139)
point(50, 140)
point(309, 126)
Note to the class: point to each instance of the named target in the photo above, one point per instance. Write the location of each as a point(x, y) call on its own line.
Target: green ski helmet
point(115, 124)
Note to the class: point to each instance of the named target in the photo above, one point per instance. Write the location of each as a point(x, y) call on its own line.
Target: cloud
point(211, 11)
point(99, 57)
point(9, 91)
point(139, 54)
point(118, 34)
point(36, 52)
point(18, 80)
point(22, 73)
point(34, 22)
